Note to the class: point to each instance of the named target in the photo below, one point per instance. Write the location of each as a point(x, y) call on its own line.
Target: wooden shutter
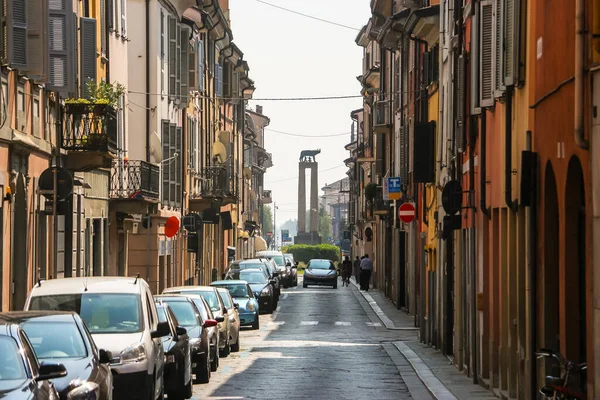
point(235, 85)
point(486, 94)
point(103, 28)
point(184, 65)
point(173, 163)
point(460, 107)
point(61, 47)
point(110, 7)
point(192, 65)
point(178, 164)
point(178, 61)
point(172, 56)
point(37, 39)
point(227, 80)
point(474, 70)
point(15, 34)
point(218, 80)
point(88, 54)
point(165, 165)
point(200, 53)
point(498, 47)
point(123, 18)
point(162, 35)
point(510, 39)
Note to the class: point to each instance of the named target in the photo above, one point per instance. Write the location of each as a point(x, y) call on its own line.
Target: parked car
point(285, 270)
point(261, 286)
point(274, 273)
point(320, 272)
point(290, 262)
point(248, 305)
point(234, 318)
point(178, 356)
point(22, 377)
point(62, 336)
point(121, 315)
point(213, 299)
point(262, 263)
point(189, 317)
point(213, 331)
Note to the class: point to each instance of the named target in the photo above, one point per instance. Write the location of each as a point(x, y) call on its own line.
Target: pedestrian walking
point(356, 271)
point(346, 271)
point(366, 269)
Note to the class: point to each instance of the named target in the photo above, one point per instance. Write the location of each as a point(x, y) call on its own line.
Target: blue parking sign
point(392, 189)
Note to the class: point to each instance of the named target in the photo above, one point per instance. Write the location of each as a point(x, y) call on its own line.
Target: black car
point(178, 356)
point(22, 377)
point(261, 285)
point(213, 331)
point(268, 266)
point(320, 272)
point(63, 337)
point(189, 317)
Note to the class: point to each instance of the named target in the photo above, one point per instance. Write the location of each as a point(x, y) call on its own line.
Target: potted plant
point(370, 191)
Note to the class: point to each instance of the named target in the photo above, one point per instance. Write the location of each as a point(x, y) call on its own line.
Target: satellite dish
point(156, 147)
point(220, 151)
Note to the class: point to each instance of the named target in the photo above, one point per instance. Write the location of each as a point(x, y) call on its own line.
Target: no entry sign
point(407, 213)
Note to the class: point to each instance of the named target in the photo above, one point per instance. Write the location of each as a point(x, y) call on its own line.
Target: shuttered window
point(192, 65)
point(173, 164)
point(486, 94)
point(37, 39)
point(178, 61)
point(103, 27)
point(123, 18)
point(162, 52)
point(226, 80)
point(474, 70)
point(165, 166)
point(15, 33)
point(172, 56)
point(510, 39)
point(178, 165)
point(88, 54)
point(460, 107)
point(200, 53)
point(110, 7)
point(498, 47)
point(184, 65)
point(218, 80)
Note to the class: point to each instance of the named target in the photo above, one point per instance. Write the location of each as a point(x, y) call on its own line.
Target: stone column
point(314, 198)
point(301, 198)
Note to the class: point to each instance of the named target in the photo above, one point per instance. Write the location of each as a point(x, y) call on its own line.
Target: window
point(200, 58)
point(54, 339)
point(219, 80)
point(173, 56)
point(12, 369)
point(171, 165)
point(162, 52)
point(123, 18)
point(185, 313)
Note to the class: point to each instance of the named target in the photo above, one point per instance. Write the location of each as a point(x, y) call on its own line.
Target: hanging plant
point(371, 191)
point(104, 93)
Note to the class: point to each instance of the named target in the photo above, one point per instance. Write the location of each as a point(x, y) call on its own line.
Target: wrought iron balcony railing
point(217, 182)
point(134, 180)
point(90, 127)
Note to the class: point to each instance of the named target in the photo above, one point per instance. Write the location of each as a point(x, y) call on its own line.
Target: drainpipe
point(147, 80)
point(510, 203)
point(483, 168)
point(579, 66)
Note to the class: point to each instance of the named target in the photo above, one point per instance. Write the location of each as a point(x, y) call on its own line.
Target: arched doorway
point(575, 263)
point(19, 246)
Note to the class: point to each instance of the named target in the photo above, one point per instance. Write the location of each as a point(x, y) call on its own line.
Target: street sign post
point(392, 189)
point(407, 213)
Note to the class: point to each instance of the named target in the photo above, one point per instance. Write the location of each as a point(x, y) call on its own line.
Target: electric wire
point(307, 98)
point(308, 16)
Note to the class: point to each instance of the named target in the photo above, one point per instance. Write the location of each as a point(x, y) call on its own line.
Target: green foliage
point(77, 101)
point(303, 253)
point(267, 220)
point(105, 93)
point(324, 224)
point(370, 191)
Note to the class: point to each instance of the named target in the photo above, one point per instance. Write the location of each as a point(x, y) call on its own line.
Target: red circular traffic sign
point(407, 213)
point(171, 226)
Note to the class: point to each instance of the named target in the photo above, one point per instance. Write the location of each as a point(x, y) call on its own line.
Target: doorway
point(19, 248)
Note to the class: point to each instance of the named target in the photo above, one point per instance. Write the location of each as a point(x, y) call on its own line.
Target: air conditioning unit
point(382, 117)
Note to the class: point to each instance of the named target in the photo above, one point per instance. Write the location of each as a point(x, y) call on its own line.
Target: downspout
point(579, 70)
point(472, 237)
point(510, 203)
point(147, 80)
point(483, 168)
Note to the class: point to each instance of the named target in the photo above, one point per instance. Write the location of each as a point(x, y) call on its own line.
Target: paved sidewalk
point(426, 371)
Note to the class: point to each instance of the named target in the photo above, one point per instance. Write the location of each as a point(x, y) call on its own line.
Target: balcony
point(89, 136)
point(214, 185)
point(134, 186)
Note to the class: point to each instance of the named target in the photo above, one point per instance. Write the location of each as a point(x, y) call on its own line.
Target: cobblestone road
point(321, 343)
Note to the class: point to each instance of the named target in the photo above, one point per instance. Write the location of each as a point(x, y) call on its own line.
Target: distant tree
point(324, 224)
point(267, 221)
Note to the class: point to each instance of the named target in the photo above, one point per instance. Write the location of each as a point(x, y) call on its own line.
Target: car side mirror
point(276, 273)
point(272, 281)
point(180, 331)
point(236, 305)
point(162, 329)
point(288, 264)
point(50, 370)
point(104, 356)
point(211, 322)
point(219, 319)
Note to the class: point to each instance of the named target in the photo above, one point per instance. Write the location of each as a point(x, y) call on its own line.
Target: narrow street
point(320, 343)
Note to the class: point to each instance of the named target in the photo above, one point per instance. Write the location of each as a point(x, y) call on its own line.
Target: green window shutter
point(16, 34)
point(486, 84)
point(165, 166)
point(62, 27)
point(37, 40)
point(184, 65)
point(498, 47)
point(172, 56)
point(88, 54)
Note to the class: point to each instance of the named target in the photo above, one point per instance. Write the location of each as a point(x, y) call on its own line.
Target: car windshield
point(209, 295)
point(237, 290)
point(55, 339)
point(101, 312)
point(252, 277)
point(184, 312)
point(12, 369)
point(225, 298)
point(250, 265)
point(320, 264)
point(278, 260)
point(201, 308)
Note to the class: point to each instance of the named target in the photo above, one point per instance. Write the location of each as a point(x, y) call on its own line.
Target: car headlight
point(133, 354)
point(87, 391)
point(250, 306)
point(195, 342)
point(265, 290)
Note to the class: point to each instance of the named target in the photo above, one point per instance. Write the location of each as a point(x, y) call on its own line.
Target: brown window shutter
point(88, 54)
point(62, 27)
point(37, 40)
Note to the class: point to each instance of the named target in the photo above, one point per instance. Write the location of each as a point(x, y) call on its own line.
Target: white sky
point(293, 56)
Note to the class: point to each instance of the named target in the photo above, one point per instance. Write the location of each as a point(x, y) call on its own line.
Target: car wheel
point(225, 351)
point(215, 362)
point(189, 390)
point(203, 374)
point(256, 324)
point(304, 285)
point(236, 346)
point(335, 285)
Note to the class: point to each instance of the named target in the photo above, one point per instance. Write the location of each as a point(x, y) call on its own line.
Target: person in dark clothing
point(346, 271)
point(366, 269)
point(356, 271)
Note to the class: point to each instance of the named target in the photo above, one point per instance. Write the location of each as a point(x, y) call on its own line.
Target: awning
point(259, 244)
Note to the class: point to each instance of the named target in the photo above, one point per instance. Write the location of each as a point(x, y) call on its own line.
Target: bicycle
point(561, 387)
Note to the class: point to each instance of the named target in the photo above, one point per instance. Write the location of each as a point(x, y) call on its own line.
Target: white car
point(120, 313)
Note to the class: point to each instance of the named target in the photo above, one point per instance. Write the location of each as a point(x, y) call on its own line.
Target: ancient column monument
point(310, 236)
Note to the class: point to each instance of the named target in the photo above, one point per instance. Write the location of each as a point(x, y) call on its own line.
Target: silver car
point(234, 318)
point(218, 308)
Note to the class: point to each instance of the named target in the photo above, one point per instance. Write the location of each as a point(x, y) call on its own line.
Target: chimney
point(259, 109)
